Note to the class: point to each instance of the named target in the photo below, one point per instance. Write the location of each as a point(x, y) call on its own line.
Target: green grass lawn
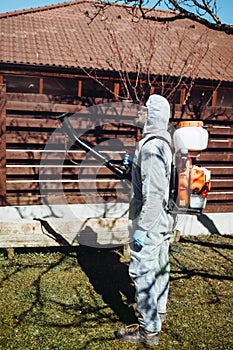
point(67, 299)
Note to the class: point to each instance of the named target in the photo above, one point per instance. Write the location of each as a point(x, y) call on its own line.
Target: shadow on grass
point(207, 243)
point(209, 248)
point(110, 279)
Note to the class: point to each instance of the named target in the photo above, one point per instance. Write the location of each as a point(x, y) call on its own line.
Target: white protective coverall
point(148, 219)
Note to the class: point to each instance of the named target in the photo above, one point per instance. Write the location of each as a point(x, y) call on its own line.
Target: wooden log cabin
point(65, 58)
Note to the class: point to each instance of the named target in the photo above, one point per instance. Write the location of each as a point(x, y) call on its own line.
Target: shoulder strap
point(160, 138)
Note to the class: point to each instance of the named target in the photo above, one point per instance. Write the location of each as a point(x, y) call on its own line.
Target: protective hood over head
point(158, 114)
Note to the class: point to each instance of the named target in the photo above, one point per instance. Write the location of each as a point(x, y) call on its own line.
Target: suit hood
point(158, 114)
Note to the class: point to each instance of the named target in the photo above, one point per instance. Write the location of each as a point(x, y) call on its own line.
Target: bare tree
point(201, 11)
point(146, 54)
point(143, 68)
point(166, 58)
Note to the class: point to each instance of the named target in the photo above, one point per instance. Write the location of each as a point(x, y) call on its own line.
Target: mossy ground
point(67, 299)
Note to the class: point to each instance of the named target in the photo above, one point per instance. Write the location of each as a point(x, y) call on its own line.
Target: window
point(224, 97)
point(92, 88)
point(172, 94)
point(20, 83)
point(60, 86)
point(200, 96)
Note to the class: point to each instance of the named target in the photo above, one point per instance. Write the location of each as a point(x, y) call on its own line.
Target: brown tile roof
point(69, 35)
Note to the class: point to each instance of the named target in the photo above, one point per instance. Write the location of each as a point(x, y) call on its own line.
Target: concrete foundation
point(100, 226)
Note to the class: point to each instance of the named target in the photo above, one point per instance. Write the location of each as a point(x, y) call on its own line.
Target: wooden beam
point(214, 98)
point(116, 91)
point(52, 74)
point(80, 85)
point(35, 106)
point(41, 86)
point(3, 144)
point(152, 90)
point(182, 96)
point(225, 207)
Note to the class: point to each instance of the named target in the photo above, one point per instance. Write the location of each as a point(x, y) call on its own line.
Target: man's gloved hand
point(139, 237)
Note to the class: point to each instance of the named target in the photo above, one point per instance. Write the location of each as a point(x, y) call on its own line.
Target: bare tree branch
point(180, 9)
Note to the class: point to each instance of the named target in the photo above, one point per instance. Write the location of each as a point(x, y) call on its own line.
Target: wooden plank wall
point(41, 171)
point(2, 144)
point(38, 175)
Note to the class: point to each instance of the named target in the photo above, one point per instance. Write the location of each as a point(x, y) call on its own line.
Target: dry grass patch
point(67, 299)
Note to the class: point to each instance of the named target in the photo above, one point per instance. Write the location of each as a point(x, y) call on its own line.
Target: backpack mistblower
point(190, 183)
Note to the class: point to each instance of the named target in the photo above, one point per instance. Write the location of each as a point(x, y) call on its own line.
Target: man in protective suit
point(150, 225)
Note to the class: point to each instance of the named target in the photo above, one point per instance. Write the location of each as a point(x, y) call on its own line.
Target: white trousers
point(150, 269)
